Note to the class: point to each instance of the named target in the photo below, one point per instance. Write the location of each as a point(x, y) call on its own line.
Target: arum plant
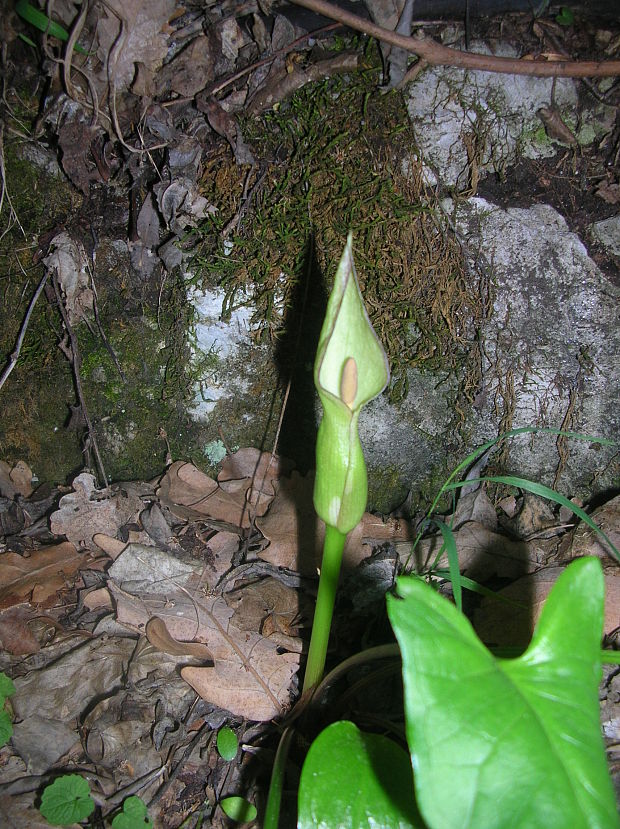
point(350, 370)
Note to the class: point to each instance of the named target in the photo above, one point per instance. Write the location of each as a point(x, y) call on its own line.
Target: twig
point(222, 84)
point(244, 202)
point(4, 193)
point(436, 54)
point(76, 361)
point(179, 766)
point(102, 333)
point(22, 331)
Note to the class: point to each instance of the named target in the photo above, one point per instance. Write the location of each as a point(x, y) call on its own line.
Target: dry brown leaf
point(291, 527)
point(189, 71)
point(87, 511)
point(141, 37)
point(555, 126)
point(7, 487)
point(482, 553)
point(261, 469)
point(220, 549)
point(63, 688)
point(189, 493)
point(586, 542)
point(271, 608)
point(248, 462)
point(158, 635)
point(609, 191)
point(503, 624)
point(68, 259)
point(40, 576)
point(112, 546)
point(16, 637)
point(534, 516)
point(21, 478)
point(250, 677)
point(98, 598)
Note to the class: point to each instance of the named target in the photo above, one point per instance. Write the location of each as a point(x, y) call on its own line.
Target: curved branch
point(436, 54)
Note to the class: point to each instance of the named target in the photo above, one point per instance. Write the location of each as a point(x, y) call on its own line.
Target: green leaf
point(353, 780)
point(449, 543)
point(67, 800)
point(7, 688)
point(133, 816)
point(517, 741)
point(6, 728)
point(544, 492)
point(239, 809)
point(227, 743)
point(565, 17)
point(43, 23)
point(350, 369)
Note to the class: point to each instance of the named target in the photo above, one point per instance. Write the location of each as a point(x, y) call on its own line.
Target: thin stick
point(76, 361)
point(22, 331)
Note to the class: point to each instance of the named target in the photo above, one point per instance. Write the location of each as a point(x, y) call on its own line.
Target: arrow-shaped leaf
point(516, 742)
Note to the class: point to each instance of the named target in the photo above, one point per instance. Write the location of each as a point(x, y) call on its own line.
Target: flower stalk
point(350, 370)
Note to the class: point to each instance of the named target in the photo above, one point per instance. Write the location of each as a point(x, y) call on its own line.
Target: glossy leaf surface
point(353, 780)
point(516, 743)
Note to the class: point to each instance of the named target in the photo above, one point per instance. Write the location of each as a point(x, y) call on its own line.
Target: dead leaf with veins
point(38, 577)
point(130, 32)
point(271, 608)
point(189, 493)
point(250, 677)
point(87, 511)
point(68, 259)
point(482, 553)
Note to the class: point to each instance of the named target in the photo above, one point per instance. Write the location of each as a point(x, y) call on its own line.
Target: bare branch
point(436, 54)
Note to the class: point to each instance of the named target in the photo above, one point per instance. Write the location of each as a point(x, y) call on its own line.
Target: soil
point(568, 183)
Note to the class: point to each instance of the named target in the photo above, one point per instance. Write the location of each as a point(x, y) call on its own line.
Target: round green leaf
point(239, 809)
point(133, 816)
point(67, 800)
point(353, 780)
point(227, 743)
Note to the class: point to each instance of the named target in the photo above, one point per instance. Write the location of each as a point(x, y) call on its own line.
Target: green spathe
point(350, 369)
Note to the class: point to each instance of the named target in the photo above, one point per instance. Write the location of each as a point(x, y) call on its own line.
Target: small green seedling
point(227, 743)
point(7, 688)
point(67, 800)
point(239, 809)
point(565, 17)
point(133, 816)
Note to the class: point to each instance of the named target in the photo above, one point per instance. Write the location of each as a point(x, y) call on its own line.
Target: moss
point(387, 488)
point(144, 326)
point(332, 174)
